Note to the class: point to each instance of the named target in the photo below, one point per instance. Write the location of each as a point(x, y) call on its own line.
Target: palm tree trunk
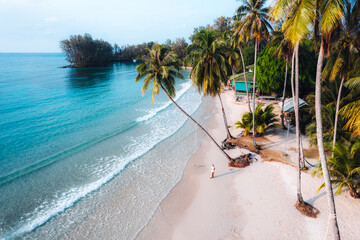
point(292, 74)
point(297, 122)
point(225, 119)
point(246, 83)
point(283, 98)
point(196, 123)
point(336, 113)
point(319, 130)
point(302, 162)
point(253, 97)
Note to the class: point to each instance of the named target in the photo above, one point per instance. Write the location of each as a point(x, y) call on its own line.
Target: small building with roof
point(289, 105)
point(238, 84)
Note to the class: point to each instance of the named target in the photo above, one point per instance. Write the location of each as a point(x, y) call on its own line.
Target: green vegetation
point(131, 52)
point(344, 166)
point(271, 72)
point(264, 119)
point(139, 51)
point(83, 51)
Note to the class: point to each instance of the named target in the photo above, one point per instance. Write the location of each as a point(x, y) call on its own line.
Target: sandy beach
point(256, 202)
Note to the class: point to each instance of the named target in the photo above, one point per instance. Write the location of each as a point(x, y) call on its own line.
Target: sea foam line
point(68, 152)
point(69, 198)
point(153, 112)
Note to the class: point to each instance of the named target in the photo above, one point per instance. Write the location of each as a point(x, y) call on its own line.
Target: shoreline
point(195, 199)
point(256, 202)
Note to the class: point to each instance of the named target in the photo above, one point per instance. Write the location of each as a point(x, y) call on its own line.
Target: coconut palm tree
point(346, 51)
point(160, 69)
point(283, 49)
point(209, 72)
point(295, 28)
point(236, 42)
point(253, 21)
point(331, 12)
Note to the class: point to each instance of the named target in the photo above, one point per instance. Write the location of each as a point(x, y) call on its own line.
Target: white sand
point(256, 202)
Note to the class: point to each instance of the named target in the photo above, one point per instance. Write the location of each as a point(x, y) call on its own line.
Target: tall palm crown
point(283, 47)
point(231, 51)
point(253, 20)
point(298, 15)
point(161, 68)
point(347, 46)
point(209, 63)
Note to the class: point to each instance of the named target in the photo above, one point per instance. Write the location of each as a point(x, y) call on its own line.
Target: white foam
point(139, 147)
point(185, 86)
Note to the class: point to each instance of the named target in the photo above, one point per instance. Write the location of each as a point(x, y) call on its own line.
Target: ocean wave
point(47, 210)
point(66, 153)
point(185, 87)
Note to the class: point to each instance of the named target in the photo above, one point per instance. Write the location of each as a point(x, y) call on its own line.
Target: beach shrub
point(264, 119)
point(344, 168)
point(83, 51)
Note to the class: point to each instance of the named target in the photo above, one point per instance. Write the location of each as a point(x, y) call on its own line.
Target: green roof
point(240, 77)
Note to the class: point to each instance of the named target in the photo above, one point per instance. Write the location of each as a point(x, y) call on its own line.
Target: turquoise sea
point(83, 144)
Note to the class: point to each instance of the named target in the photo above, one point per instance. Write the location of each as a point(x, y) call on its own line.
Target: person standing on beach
point(212, 171)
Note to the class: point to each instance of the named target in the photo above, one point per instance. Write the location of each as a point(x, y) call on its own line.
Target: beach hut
point(239, 86)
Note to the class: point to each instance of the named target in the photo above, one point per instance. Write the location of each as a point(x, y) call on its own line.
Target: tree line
point(84, 51)
point(139, 52)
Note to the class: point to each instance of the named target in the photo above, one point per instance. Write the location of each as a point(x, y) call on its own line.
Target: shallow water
point(67, 132)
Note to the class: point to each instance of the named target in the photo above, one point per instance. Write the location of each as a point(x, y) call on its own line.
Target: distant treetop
point(83, 51)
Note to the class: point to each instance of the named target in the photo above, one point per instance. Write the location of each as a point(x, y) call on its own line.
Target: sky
point(39, 25)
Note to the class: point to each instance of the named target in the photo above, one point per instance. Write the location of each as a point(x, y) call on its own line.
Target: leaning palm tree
point(253, 21)
point(209, 70)
point(160, 69)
